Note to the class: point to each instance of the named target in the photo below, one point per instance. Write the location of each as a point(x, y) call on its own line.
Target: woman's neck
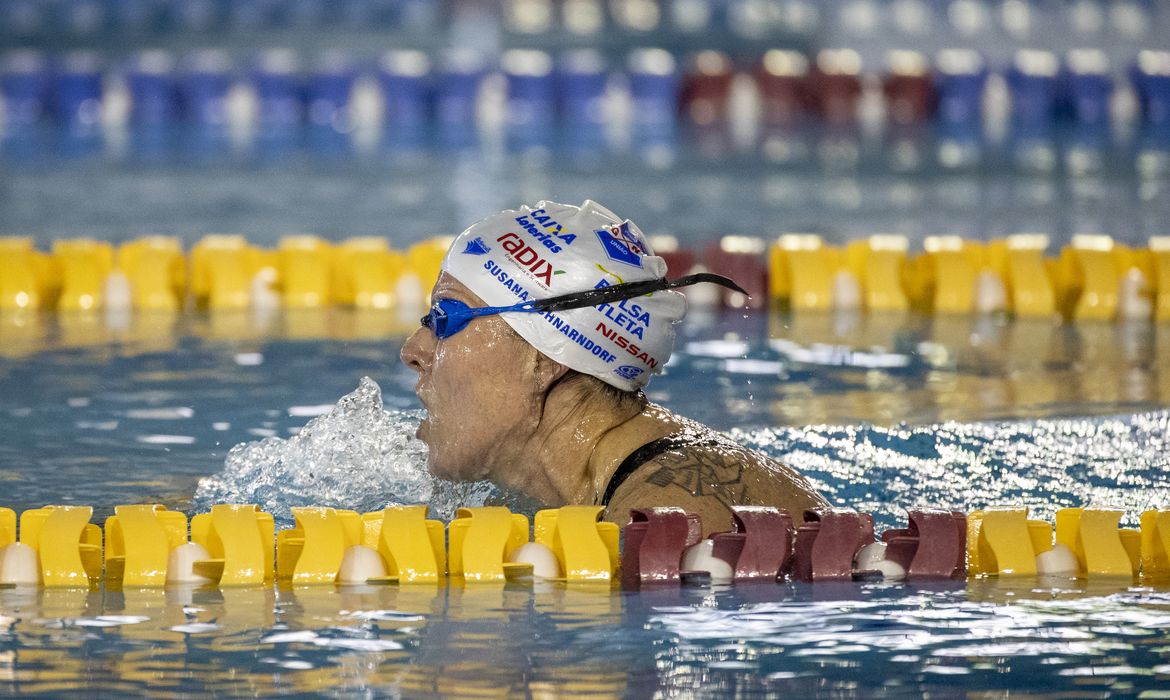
point(571, 453)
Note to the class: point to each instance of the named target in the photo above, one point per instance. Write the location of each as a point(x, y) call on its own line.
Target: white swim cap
point(554, 249)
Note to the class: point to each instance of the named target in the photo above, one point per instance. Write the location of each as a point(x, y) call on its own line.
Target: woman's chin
point(436, 468)
point(442, 469)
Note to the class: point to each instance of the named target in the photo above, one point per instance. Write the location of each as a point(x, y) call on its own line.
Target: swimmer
point(546, 325)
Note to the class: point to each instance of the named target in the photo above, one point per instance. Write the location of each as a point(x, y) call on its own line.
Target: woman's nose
point(418, 348)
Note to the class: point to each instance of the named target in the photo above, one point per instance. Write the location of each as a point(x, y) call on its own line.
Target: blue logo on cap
point(629, 372)
point(622, 245)
point(476, 246)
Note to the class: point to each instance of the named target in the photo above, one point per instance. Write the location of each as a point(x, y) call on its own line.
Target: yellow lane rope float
point(234, 545)
point(1092, 278)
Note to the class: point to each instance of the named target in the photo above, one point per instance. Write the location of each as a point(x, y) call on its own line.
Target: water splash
point(357, 456)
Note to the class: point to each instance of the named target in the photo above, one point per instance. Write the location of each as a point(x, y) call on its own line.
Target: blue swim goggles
point(449, 316)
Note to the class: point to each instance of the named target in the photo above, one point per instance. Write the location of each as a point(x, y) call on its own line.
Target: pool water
point(883, 413)
point(808, 640)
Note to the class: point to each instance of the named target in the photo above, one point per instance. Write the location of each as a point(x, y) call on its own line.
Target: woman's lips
point(425, 422)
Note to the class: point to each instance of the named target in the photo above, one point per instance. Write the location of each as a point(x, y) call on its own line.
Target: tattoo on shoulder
point(714, 474)
point(663, 477)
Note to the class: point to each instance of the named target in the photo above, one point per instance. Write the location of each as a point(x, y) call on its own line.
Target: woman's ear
point(547, 372)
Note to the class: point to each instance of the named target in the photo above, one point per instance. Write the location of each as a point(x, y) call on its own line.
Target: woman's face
point(478, 388)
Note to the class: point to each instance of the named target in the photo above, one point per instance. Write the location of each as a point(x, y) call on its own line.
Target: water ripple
point(1119, 462)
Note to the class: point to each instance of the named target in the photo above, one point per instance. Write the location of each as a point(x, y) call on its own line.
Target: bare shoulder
point(709, 478)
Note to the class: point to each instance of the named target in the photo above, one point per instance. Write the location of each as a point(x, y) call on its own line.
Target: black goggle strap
point(628, 290)
point(589, 297)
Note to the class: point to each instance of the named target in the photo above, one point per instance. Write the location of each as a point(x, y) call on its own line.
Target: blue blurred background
point(696, 118)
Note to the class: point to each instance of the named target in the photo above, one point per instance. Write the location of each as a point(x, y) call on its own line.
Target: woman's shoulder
point(700, 469)
point(688, 455)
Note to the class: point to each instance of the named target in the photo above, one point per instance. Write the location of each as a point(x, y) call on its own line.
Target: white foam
point(326, 640)
point(166, 439)
point(164, 413)
point(309, 411)
point(195, 628)
point(357, 456)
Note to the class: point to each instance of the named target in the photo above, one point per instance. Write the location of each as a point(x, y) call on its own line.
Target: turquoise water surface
point(882, 413)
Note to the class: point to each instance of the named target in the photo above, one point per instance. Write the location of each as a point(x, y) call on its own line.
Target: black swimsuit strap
point(647, 452)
